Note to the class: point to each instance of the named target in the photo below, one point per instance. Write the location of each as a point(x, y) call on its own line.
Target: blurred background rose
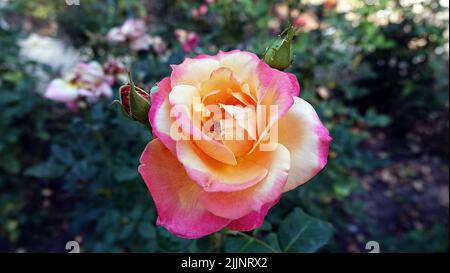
point(376, 71)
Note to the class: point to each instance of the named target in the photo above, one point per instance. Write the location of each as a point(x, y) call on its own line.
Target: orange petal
point(213, 175)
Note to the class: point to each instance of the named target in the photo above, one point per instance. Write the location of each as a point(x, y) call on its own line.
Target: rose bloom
point(115, 71)
point(87, 80)
point(132, 31)
point(200, 11)
point(200, 179)
point(188, 39)
point(158, 45)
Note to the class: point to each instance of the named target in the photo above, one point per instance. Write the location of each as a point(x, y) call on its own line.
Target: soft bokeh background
point(376, 72)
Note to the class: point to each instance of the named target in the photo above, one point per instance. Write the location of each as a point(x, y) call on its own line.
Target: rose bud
point(279, 54)
point(135, 102)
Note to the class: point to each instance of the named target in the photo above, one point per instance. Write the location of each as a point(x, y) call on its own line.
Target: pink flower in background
point(115, 71)
point(203, 9)
point(88, 74)
point(189, 40)
point(141, 43)
point(200, 179)
point(115, 35)
point(61, 91)
point(307, 21)
point(200, 11)
point(91, 80)
point(87, 80)
point(299, 22)
point(330, 4)
point(132, 31)
point(133, 28)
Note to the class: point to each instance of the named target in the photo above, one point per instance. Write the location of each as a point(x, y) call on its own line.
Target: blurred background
point(376, 71)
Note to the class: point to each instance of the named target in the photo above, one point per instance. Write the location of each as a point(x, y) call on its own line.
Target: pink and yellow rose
point(201, 179)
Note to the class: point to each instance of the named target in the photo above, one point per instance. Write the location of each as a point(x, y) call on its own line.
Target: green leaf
point(63, 154)
point(46, 170)
point(127, 231)
point(237, 244)
point(169, 242)
point(10, 164)
point(125, 173)
point(146, 229)
point(300, 232)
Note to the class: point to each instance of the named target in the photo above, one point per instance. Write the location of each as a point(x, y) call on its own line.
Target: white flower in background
point(158, 45)
point(141, 43)
point(132, 31)
point(133, 28)
point(115, 35)
point(49, 51)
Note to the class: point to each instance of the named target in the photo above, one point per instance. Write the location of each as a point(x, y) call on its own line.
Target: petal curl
point(61, 91)
point(252, 220)
point(307, 139)
point(237, 204)
point(193, 71)
point(213, 175)
point(242, 63)
point(295, 91)
point(175, 195)
point(275, 89)
point(159, 114)
point(182, 99)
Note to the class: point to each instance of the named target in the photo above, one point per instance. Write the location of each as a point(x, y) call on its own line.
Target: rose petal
point(304, 135)
point(213, 175)
point(275, 89)
point(175, 195)
point(159, 115)
point(242, 63)
point(237, 204)
point(182, 97)
point(253, 219)
point(140, 43)
point(193, 71)
point(61, 91)
point(115, 35)
point(295, 91)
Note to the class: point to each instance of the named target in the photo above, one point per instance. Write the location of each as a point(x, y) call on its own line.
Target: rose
point(115, 71)
point(188, 39)
point(158, 45)
point(61, 91)
point(86, 80)
point(202, 182)
point(135, 103)
point(89, 74)
point(133, 32)
point(200, 11)
point(133, 28)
